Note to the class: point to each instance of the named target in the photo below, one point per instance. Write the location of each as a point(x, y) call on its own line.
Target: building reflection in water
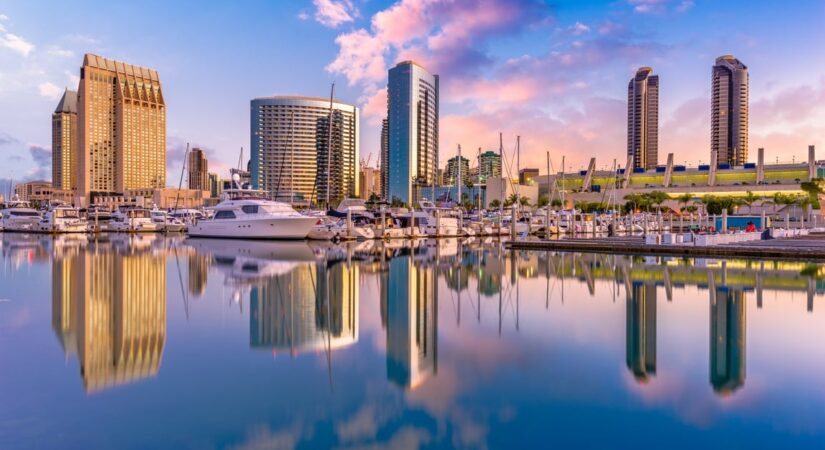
point(110, 308)
point(641, 330)
point(197, 267)
point(411, 298)
point(290, 311)
point(727, 339)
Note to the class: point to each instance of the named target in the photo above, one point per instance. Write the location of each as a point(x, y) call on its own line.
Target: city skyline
point(556, 75)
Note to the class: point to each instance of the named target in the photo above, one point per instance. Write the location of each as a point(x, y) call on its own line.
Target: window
point(225, 215)
point(250, 209)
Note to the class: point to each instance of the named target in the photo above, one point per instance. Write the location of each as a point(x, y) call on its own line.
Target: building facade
point(385, 158)
point(121, 128)
point(643, 119)
point(489, 164)
point(412, 112)
point(458, 170)
point(64, 142)
point(729, 112)
point(370, 182)
point(527, 176)
point(198, 170)
point(291, 144)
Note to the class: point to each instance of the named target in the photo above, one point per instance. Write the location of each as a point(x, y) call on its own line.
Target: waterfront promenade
point(811, 247)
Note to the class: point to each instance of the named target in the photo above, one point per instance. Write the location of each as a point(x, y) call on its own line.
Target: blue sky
point(556, 74)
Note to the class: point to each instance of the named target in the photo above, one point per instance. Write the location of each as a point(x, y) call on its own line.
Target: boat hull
point(272, 228)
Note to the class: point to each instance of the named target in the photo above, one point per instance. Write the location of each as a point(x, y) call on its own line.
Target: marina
point(236, 343)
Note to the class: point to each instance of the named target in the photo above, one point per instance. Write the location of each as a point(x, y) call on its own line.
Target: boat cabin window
point(24, 213)
point(225, 215)
point(66, 214)
point(250, 209)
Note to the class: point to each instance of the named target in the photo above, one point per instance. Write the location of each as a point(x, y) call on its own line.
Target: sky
point(553, 73)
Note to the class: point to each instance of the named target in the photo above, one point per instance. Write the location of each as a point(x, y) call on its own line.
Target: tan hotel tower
point(121, 128)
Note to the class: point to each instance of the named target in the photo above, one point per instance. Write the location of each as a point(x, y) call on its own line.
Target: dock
point(807, 248)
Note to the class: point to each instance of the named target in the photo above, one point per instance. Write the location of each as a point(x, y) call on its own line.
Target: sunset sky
point(555, 73)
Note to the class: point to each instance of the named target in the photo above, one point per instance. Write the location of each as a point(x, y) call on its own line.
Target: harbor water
point(147, 341)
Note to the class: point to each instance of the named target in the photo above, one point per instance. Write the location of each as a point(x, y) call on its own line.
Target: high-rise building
point(457, 172)
point(527, 176)
point(640, 331)
point(643, 119)
point(198, 170)
point(214, 185)
point(385, 158)
point(64, 142)
point(729, 111)
point(370, 182)
point(412, 112)
point(121, 117)
point(489, 164)
point(290, 142)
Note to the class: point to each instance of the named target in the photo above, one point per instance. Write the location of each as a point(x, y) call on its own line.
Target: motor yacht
point(135, 220)
point(246, 214)
point(63, 219)
point(19, 216)
point(98, 219)
point(166, 223)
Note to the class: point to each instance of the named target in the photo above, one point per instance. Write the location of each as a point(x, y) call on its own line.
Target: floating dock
point(811, 247)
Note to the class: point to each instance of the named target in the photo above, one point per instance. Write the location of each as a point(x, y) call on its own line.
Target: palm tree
point(524, 201)
point(495, 204)
point(749, 199)
point(684, 199)
point(543, 201)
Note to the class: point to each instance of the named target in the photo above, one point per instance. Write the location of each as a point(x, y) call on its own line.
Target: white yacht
point(98, 219)
point(63, 219)
point(166, 222)
point(19, 216)
point(440, 222)
point(136, 220)
point(245, 214)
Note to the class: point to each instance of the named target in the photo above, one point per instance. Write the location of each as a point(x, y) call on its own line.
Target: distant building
point(643, 119)
point(489, 164)
point(41, 192)
point(290, 142)
point(198, 170)
point(370, 182)
point(121, 118)
point(214, 185)
point(64, 142)
point(454, 168)
point(527, 176)
point(412, 97)
point(729, 112)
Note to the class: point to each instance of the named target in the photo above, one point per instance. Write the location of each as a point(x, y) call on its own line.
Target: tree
point(556, 203)
point(543, 201)
point(749, 199)
point(397, 203)
point(510, 200)
point(524, 201)
point(684, 199)
point(373, 200)
point(656, 198)
point(814, 189)
point(495, 204)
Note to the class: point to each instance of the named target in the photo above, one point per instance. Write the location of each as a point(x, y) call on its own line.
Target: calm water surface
point(153, 342)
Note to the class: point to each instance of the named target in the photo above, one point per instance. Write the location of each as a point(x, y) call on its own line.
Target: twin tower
point(729, 115)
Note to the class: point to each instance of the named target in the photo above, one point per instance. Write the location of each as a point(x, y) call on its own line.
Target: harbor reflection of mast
point(111, 309)
point(727, 340)
point(412, 321)
point(641, 331)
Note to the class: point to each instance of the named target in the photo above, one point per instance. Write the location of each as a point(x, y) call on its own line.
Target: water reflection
point(109, 307)
point(441, 327)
